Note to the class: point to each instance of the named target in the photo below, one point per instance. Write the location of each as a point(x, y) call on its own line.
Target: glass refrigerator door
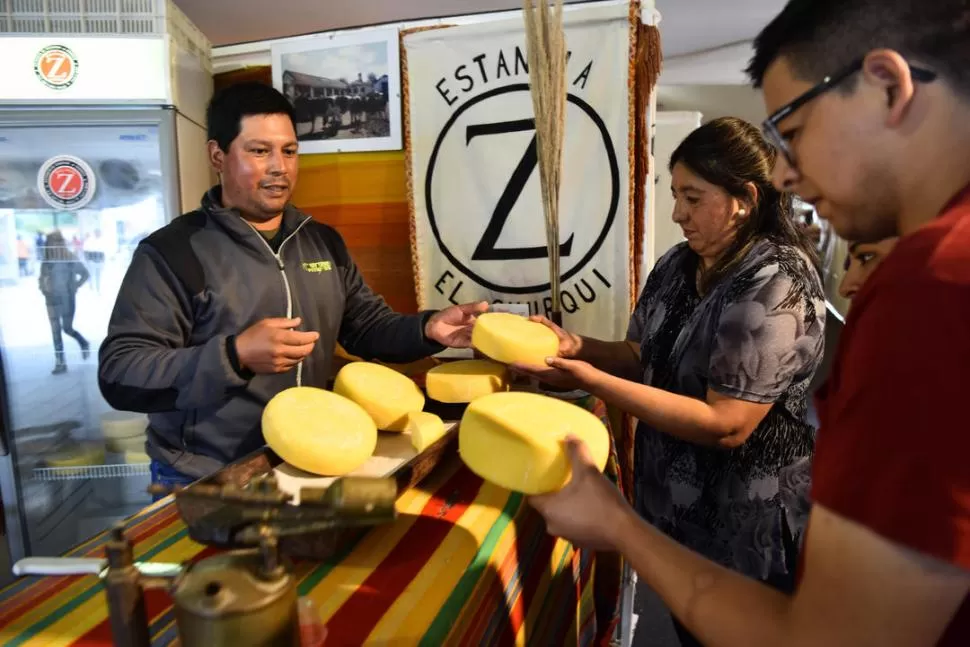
point(76, 464)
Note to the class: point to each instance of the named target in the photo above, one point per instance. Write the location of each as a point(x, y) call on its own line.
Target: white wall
point(661, 233)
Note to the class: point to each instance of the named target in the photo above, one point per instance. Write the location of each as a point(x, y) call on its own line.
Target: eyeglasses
point(770, 125)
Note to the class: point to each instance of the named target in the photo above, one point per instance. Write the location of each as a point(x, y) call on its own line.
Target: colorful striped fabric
point(466, 562)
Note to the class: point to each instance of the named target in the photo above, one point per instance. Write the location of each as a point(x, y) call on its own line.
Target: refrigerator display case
point(83, 179)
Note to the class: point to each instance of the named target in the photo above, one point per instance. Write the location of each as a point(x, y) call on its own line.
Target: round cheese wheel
point(84, 454)
point(465, 380)
point(385, 394)
point(318, 431)
point(514, 440)
point(511, 338)
point(122, 424)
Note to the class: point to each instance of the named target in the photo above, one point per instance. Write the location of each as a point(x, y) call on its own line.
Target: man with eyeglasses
point(870, 104)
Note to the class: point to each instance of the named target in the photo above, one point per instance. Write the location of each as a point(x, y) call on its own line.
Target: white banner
point(474, 182)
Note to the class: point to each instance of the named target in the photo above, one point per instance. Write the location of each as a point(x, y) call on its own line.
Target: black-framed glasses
point(770, 125)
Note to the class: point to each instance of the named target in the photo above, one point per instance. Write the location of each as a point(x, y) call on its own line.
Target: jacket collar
point(234, 223)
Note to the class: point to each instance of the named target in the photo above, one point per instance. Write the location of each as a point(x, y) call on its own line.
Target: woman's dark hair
point(730, 153)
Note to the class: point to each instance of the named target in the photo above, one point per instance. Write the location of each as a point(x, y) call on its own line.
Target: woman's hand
point(570, 374)
point(569, 344)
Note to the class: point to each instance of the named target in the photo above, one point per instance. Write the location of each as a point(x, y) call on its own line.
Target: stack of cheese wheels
point(385, 394)
point(465, 380)
point(124, 431)
point(511, 338)
point(318, 431)
point(514, 440)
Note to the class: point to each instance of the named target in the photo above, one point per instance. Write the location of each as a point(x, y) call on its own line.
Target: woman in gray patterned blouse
point(718, 359)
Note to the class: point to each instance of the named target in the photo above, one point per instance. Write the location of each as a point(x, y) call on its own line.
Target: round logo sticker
point(56, 67)
point(66, 182)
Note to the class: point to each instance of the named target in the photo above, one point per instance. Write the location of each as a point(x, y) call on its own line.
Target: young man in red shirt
point(870, 105)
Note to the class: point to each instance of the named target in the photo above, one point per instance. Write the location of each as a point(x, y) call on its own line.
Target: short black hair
point(230, 104)
point(819, 37)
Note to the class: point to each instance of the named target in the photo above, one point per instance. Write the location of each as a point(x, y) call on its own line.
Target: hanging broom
point(546, 47)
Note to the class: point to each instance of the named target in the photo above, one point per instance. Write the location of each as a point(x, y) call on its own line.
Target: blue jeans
point(168, 476)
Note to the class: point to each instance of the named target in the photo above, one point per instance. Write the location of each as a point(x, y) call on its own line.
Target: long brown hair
point(55, 248)
point(730, 153)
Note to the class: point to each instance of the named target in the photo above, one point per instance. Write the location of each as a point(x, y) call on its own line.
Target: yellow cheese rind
point(511, 338)
point(465, 380)
point(425, 429)
point(514, 440)
point(318, 431)
point(385, 394)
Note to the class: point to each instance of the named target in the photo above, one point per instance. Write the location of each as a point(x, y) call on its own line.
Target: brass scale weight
point(240, 597)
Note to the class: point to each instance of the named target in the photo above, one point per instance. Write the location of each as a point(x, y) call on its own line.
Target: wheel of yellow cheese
point(465, 380)
point(318, 431)
point(385, 394)
point(511, 338)
point(514, 440)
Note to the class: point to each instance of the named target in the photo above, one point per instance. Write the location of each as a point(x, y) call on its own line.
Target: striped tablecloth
point(466, 562)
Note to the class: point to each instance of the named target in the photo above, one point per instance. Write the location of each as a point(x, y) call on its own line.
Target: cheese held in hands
point(514, 440)
point(385, 394)
point(511, 338)
point(425, 428)
point(318, 431)
point(465, 380)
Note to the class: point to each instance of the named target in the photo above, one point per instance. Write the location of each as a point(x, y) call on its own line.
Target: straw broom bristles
point(546, 50)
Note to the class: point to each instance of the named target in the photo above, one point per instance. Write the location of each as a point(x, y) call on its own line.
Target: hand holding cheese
point(515, 440)
point(465, 380)
point(318, 431)
point(385, 394)
point(512, 339)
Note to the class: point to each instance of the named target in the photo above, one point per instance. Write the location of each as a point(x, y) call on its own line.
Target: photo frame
point(345, 90)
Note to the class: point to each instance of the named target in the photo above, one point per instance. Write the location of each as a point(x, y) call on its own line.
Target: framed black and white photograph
point(345, 90)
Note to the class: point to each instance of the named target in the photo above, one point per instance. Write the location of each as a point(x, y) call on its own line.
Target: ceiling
point(688, 25)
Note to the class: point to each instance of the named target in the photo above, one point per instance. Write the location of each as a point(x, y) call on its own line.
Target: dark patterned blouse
point(756, 336)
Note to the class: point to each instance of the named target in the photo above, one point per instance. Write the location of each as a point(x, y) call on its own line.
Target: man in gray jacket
point(230, 304)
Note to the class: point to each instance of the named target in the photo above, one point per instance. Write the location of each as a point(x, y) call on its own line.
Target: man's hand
point(563, 373)
point(569, 344)
point(453, 326)
point(589, 510)
point(271, 346)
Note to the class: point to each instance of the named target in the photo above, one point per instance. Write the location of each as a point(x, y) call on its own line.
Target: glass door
point(78, 191)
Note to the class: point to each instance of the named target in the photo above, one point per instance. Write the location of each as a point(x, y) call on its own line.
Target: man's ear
point(886, 70)
point(217, 156)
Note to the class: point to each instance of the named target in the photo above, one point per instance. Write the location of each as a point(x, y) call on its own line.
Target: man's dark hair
point(819, 37)
point(230, 104)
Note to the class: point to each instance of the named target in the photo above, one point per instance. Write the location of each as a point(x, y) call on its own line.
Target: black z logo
point(486, 249)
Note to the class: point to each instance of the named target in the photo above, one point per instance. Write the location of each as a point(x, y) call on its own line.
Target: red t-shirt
point(893, 450)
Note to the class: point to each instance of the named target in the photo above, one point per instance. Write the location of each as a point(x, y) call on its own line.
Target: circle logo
point(66, 182)
point(483, 197)
point(56, 67)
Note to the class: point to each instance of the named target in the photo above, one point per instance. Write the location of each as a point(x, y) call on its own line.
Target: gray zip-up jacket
point(206, 277)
